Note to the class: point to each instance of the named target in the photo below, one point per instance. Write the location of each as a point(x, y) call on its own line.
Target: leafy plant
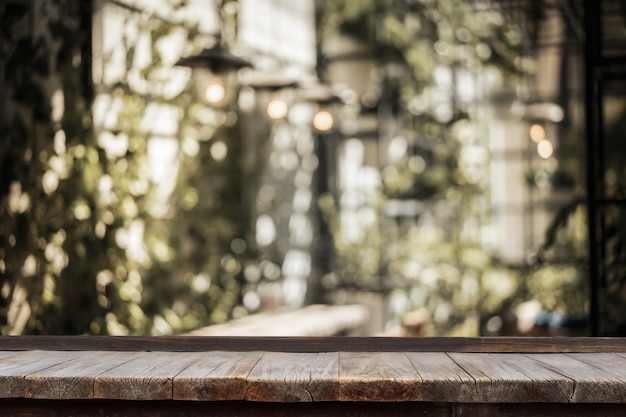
point(90, 242)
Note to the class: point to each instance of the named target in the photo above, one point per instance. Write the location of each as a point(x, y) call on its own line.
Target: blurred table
point(313, 320)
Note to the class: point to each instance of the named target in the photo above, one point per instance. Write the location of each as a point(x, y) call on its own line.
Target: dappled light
point(425, 159)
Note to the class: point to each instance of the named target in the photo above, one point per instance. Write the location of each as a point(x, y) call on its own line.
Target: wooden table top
point(273, 376)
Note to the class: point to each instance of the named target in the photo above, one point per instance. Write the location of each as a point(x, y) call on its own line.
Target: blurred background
point(312, 167)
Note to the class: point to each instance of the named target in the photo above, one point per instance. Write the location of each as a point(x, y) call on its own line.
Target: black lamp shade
point(216, 59)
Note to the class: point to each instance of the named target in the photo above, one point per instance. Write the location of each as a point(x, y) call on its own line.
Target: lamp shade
point(216, 59)
point(276, 91)
point(324, 97)
point(214, 72)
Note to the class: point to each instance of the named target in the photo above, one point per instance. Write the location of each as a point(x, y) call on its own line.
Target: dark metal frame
point(593, 139)
point(600, 72)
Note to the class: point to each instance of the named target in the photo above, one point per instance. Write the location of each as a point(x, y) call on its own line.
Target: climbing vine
point(438, 63)
point(92, 238)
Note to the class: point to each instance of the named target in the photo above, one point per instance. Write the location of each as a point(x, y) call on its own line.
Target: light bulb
point(277, 109)
point(215, 92)
point(323, 120)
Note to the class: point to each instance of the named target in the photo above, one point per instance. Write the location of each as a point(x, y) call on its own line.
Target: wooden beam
point(315, 344)
point(52, 408)
point(44, 408)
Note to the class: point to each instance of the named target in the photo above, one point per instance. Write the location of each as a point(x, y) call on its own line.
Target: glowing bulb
point(215, 93)
point(277, 109)
point(537, 133)
point(545, 149)
point(323, 120)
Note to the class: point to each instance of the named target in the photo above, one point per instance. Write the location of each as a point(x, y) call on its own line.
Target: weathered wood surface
point(215, 376)
point(145, 377)
point(442, 379)
point(378, 376)
point(316, 344)
point(282, 377)
point(593, 384)
point(73, 378)
point(502, 377)
point(294, 377)
point(15, 368)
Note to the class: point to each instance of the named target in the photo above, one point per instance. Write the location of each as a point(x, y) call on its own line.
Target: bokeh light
point(215, 93)
point(545, 149)
point(323, 120)
point(277, 109)
point(537, 133)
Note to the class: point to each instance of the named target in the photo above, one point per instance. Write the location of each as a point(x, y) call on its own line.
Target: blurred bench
point(307, 377)
point(314, 320)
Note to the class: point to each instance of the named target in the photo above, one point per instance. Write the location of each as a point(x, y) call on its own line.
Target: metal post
point(592, 139)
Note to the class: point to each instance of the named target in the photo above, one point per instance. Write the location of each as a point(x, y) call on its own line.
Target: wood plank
point(147, 377)
point(51, 408)
point(55, 408)
point(562, 410)
point(315, 344)
point(7, 354)
point(494, 381)
point(442, 379)
point(73, 379)
point(592, 385)
point(610, 363)
point(378, 376)
point(547, 385)
point(215, 376)
point(504, 378)
point(294, 377)
point(476, 410)
point(15, 368)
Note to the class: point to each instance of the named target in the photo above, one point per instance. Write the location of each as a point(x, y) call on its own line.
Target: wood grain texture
point(15, 368)
point(283, 377)
point(494, 380)
point(7, 354)
point(215, 376)
point(73, 378)
point(146, 377)
point(378, 376)
point(608, 362)
point(315, 344)
point(442, 379)
point(592, 385)
point(547, 385)
point(294, 377)
point(512, 377)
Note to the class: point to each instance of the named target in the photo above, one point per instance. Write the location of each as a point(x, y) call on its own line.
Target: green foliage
point(89, 242)
point(45, 229)
point(358, 257)
point(441, 257)
point(188, 273)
